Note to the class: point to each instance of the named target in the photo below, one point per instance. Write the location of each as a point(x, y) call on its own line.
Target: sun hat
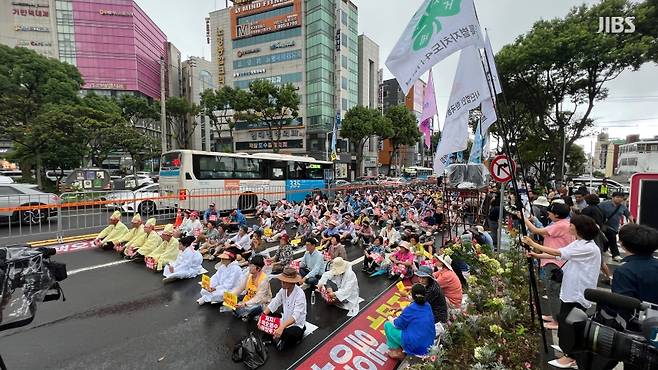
point(338, 266)
point(169, 229)
point(423, 271)
point(405, 245)
point(289, 275)
point(541, 201)
point(446, 260)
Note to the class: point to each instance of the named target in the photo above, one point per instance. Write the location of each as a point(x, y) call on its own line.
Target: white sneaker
point(200, 301)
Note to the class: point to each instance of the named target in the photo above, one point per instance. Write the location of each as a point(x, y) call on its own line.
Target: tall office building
point(115, 45)
point(197, 78)
point(312, 44)
point(369, 97)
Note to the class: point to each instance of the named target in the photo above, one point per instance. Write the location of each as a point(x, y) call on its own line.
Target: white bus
point(416, 172)
point(239, 180)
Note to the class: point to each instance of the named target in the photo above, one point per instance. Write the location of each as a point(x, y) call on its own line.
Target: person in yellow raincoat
point(135, 232)
point(112, 233)
point(139, 248)
point(166, 252)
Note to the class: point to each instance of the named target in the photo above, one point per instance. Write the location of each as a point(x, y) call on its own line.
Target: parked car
point(392, 182)
point(26, 195)
point(593, 183)
point(146, 198)
point(6, 180)
point(341, 184)
point(133, 182)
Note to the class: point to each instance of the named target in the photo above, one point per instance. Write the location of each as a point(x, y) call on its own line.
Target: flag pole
point(534, 296)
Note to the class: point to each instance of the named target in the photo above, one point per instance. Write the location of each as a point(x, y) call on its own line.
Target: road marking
point(73, 272)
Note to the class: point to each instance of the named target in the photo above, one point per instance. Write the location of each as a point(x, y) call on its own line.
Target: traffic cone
point(179, 219)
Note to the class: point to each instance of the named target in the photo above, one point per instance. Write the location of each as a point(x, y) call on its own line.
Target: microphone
point(613, 300)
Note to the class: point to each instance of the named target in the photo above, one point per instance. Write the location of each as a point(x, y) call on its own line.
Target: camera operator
point(580, 272)
point(638, 276)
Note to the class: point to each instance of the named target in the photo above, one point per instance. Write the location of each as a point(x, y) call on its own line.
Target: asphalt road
point(123, 317)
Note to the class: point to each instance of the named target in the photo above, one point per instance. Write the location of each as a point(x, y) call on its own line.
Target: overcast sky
point(631, 108)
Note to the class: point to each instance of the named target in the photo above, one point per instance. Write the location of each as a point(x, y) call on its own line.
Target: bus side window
point(278, 170)
point(296, 171)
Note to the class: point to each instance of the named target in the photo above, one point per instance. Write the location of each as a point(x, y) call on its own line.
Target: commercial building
point(637, 156)
point(311, 44)
point(197, 78)
point(368, 75)
point(115, 45)
point(393, 95)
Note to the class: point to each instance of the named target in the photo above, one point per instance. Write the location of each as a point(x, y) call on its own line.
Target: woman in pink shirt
point(402, 262)
point(556, 235)
point(448, 281)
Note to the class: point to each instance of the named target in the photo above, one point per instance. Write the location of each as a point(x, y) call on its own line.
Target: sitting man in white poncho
point(227, 277)
point(188, 263)
point(340, 286)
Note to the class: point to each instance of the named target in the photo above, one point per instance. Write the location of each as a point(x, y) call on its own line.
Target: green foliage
point(136, 108)
point(404, 129)
point(220, 106)
point(646, 14)
point(181, 116)
point(559, 63)
point(359, 124)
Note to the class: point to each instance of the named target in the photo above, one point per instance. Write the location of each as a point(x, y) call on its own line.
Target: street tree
point(404, 130)
point(137, 110)
point(220, 107)
point(554, 75)
point(100, 118)
point(274, 106)
point(181, 117)
point(136, 143)
point(30, 84)
point(361, 123)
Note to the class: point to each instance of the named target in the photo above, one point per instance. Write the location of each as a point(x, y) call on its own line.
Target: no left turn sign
point(501, 168)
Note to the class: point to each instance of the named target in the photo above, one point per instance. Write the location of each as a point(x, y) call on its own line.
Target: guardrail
point(31, 217)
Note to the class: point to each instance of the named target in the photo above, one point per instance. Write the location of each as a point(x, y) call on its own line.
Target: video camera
point(610, 338)
point(27, 276)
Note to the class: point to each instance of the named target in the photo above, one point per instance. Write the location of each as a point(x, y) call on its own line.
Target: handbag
point(557, 274)
point(604, 227)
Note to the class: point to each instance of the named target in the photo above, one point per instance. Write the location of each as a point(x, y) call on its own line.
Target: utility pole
point(163, 109)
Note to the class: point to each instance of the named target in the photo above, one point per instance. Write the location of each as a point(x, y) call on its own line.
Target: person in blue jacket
point(412, 333)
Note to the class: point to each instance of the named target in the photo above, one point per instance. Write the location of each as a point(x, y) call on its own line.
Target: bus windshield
point(170, 161)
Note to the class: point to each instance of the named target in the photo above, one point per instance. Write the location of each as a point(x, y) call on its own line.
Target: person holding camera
point(580, 271)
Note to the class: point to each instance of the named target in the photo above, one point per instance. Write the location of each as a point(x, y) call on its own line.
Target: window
point(343, 17)
point(343, 61)
point(344, 104)
point(209, 167)
point(295, 171)
point(343, 39)
point(343, 83)
point(170, 161)
point(247, 168)
point(8, 190)
point(314, 171)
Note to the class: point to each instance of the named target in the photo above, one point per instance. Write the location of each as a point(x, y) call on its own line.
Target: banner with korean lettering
point(361, 344)
point(438, 29)
point(268, 324)
point(469, 89)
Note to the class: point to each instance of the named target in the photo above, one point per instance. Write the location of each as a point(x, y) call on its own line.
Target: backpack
point(543, 216)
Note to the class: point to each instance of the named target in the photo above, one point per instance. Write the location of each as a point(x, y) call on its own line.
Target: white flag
point(454, 138)
point(438, 29)
point(488, 114)
point(490, 61)
point(469, 89)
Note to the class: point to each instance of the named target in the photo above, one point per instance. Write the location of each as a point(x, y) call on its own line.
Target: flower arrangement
point(495, 331)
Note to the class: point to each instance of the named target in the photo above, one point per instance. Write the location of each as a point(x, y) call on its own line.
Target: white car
point(6, 180)
point(26, 195)
point(132, 182)
point(144, 200)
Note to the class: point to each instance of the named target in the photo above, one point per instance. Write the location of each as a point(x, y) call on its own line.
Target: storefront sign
point(252, 27)
point(285, 134)
point(341, 170)
point(19, 3)
point(282, 44)
point(221, 71)
point(361, 344)
point(249, 73)
point(117, 13)
point(31, 12)
point(34, 43)
point(105, 86)
point(338, 39)
point(242, 53)
point(32, 28)
point(267, 145)
point(208, 30)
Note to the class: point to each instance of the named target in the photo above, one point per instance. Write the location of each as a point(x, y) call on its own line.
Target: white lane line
point(73, 272)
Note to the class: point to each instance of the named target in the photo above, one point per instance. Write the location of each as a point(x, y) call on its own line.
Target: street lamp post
point(163, 109)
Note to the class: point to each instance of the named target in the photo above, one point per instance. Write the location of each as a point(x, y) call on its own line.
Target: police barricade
point(22, 215)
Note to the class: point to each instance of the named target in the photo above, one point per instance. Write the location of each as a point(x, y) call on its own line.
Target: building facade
point(369, 97)
point(113, 43)
point(197, 78)
point(311, 44)
point(393, 95)
point(637, 156)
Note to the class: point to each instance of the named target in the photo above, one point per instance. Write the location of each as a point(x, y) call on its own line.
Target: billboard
point(264, 16)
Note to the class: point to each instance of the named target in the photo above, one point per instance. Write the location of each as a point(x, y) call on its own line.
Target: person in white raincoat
point(342, 285)
point(227, 277)
point(188, 263)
